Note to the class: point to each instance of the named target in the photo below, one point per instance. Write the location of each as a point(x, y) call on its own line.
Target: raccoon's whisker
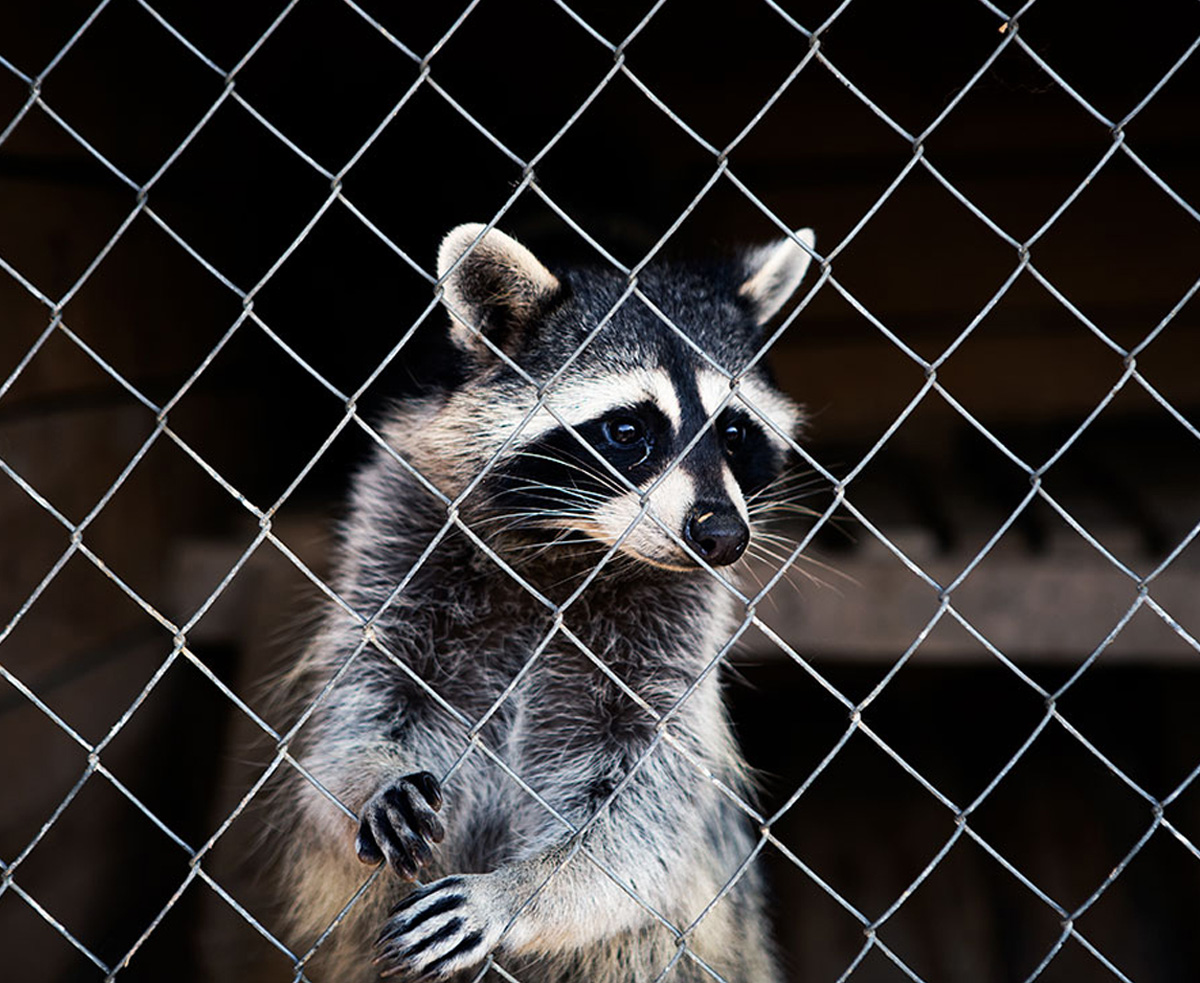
point(766, 508)
point(756, 553)
point(790, 544)
point(573, 465)
point(790, 484)
point(828, 568)
point(554, 505)
point(559, 535)
point(774, 550)
point(802, 560)
point(768, 534)
point(748, 570)
point(787, 518)
point(786, 545)
point(563, 508)
point(772, 596)
point(799, 473)
point(774, 492)
point(514, 527)
point(767, 555)
point(579, 501)
point(540, 546)
point(777, 560)
point(595, 472)
point(789, 576)
point(534, 550)
point(778, 495)
point(550, 491)
point(515, 520)
point(540, 498)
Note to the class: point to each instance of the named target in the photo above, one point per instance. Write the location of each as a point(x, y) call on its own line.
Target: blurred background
point(167, 166)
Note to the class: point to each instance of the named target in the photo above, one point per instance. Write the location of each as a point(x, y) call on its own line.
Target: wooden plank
point(1057, 607)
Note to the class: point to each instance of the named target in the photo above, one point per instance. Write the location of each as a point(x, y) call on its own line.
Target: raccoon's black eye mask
point(751, 457)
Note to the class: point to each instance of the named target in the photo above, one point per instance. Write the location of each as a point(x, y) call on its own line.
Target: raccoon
point(516, 699)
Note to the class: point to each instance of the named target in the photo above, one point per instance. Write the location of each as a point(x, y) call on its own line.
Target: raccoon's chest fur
point(589, 684)
point(568, 706)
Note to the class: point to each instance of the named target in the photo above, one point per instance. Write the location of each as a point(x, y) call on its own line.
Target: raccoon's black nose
point(717, 533)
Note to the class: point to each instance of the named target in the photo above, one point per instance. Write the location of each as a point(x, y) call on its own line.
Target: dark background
point(1124, 254)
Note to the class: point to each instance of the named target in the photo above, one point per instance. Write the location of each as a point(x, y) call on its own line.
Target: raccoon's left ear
point(495, 290)
point(773, 273)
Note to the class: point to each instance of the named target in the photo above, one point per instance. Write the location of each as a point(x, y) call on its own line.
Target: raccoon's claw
point(399, 823)
point(441, 929)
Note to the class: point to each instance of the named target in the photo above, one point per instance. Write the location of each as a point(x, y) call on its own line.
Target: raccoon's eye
point(732, 436)
point(624, 430)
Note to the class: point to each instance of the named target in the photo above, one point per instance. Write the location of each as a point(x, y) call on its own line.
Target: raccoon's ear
point(497, 288)
point(773, 273)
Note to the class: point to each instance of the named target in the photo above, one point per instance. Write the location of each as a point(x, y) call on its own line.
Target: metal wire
point(724, 164)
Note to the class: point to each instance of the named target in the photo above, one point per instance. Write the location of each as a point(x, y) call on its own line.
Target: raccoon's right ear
point(773, 273)
point(494, 291)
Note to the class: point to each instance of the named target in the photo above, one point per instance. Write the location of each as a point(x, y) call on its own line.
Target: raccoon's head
point(613, 427)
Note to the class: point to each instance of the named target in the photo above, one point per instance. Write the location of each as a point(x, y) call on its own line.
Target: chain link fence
point(173, 636)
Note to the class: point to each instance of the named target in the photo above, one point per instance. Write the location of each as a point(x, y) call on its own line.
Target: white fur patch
point(734, 491)
point(713, 387)
point(760, 400)
point(579, 401)
point(665, 397)
point(673, 499)
point(670, 502)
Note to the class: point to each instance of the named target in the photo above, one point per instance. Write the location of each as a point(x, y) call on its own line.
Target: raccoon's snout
point(716, 532)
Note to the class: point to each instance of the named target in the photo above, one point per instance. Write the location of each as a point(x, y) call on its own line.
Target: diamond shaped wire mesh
point(921, 155)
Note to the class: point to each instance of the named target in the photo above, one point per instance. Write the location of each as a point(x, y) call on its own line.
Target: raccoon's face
point(638, 441)
point(659, 460)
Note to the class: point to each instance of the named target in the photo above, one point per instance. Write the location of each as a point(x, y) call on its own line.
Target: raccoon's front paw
point(399, 823)
point(438, 930)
